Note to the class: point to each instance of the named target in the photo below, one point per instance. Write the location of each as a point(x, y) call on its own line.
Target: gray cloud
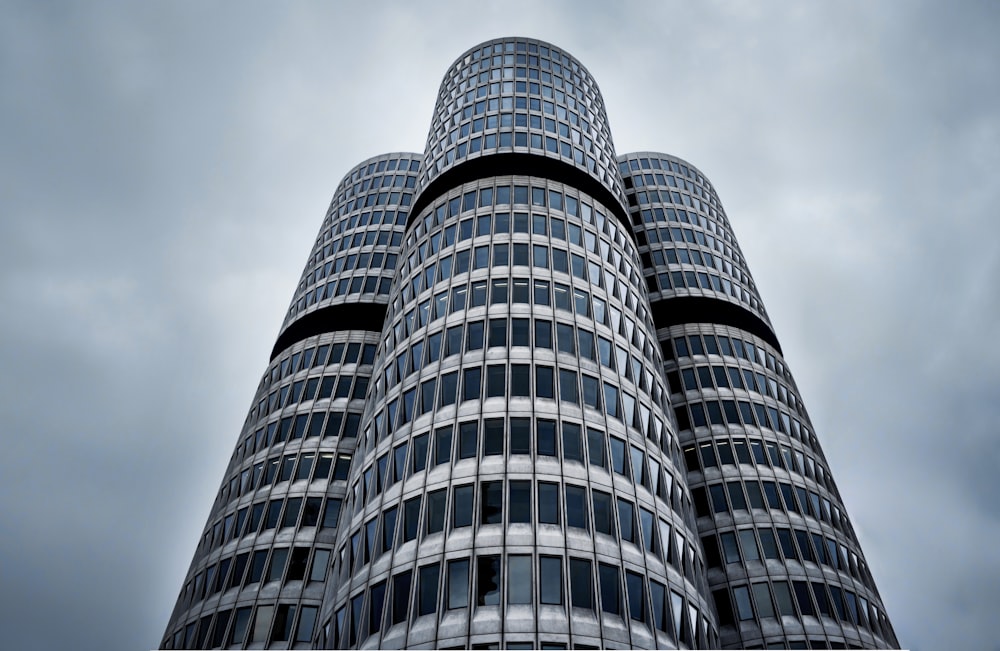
point(166, 167)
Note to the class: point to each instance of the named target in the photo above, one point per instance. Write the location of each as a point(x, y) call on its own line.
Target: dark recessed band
point(680, 310)
point(334, 318)
point(514, 164)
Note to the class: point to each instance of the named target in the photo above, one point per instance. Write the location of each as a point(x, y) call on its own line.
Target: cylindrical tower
point(526, 395)
point(517, 480)
point(259, 572)
point(784, 565)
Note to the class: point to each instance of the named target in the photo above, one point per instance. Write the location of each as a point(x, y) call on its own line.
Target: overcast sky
point(164, 168)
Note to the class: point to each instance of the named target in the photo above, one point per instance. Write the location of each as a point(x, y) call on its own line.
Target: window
point(307, 622)
point(496, 380)
point(544, 382)
point(462, 508)
point(610, 592)
point(718, 498)
point(576, 506)
point(596, 447)
point(618, 460)
point(467, 440)
point(784, 598)
point(603, 513)
point(646, 519)
point(568, 391)
point(458, 584)
point(282, 630)
point(520, 332)
point(548, 503)
point(803, 598)
point(427, 589)
point(550, 579)
point(658, 595)
point(475, 336)
point(375, 605)
point(498, 333)
point(580, 576)
point(636, 596)
point(492, 502)
point(411, 518)
point(541, 294)
point(520, 501)
point(520, 380)
point(419, 452)
point(744, 610)
point(818, 591)
point(321, 560)
point(492, 438)
point(762, 595)
point(626, 520)
point(240, 623)
point(488, 579)
point(436, 510)
point(611, 400)
point(571, 442)
point(543, 334)
point(730, 547)
point(400, 596)
point(566, 340)
point(749, 543)
point(297, 565)
point(277, 569)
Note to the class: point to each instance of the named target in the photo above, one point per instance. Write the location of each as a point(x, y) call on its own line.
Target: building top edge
point(514, 39)
point(393, 155)
point(659, 154)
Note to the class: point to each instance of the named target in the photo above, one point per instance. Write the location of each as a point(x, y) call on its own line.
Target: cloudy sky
point(165, 166)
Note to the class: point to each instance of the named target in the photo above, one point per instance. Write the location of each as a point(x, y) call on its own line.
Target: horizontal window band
point(515, 164)
point(681, 310)
point(334, 318)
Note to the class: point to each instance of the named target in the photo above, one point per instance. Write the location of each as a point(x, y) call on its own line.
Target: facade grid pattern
point(526, 395)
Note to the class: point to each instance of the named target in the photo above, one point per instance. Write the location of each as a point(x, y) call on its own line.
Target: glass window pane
point(520, 501)
point(400, 597)
point(610, 592)
point(488, 580)
point(458, 584)
point(550, 579)
point(636, 596)
point(493, 436)
point(571, 442)
point(581, 583)
point(548, 503)
point(463, 506)
point(762, 595)
point(576, 507)
point(492, 502)
point(784, 598)
point(744, 610)
point(428, 589)
point(307, 622)
point(436, 510)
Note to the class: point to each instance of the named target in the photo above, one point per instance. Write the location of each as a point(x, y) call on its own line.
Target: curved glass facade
point(519, 388)
point(526, 395)
point(784, 565)
point(259, 572)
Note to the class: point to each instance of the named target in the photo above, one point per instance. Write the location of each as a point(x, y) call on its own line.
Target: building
point(526, 395)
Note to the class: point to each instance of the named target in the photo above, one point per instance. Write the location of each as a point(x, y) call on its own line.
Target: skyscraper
point(526, 395)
